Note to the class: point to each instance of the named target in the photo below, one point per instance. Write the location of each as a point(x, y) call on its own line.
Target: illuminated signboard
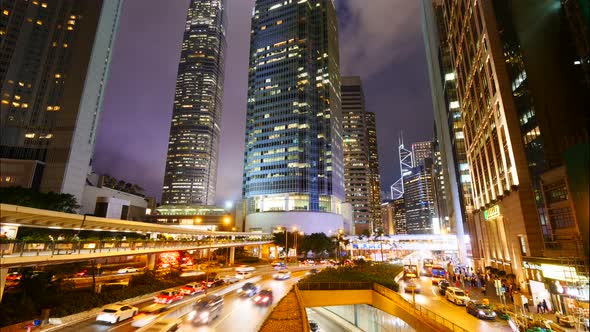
point(492, 212)
point(559, 272)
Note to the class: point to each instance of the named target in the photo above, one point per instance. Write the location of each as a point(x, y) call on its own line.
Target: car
point(313, 326)
point(14, 276)
point(230, 279)
point(245, 268)
point(215, 282)
point(280, 266)
point(480, 310)
point(456, 295)
point(442, 286)
point(206, 309)
point(191, 273)
point(164, 325)
point(311, 272)
point(192, 288)
point(282, 275)
point(410, 284)
point(114, 313)
point(264, 298)
point(243, 275)
point(249, 289)
point(128, 270)
point(168, 297)
point(148, 314)
point(80, 274)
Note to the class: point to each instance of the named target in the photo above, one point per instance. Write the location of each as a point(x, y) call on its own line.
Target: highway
point(237, 311)
point(430, 299)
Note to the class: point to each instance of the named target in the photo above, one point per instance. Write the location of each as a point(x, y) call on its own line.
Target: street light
point(340, 232)
point(286, 242)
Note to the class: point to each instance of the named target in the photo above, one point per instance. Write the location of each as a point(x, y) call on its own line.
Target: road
point(237, 312)
point(430, 299)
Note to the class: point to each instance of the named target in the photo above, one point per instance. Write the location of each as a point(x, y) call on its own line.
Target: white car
point(114, 313)
point(282, 275)
point(243, 275)
point(128, 270)
point(163, 325)
point(245, 268)
point(456, 295)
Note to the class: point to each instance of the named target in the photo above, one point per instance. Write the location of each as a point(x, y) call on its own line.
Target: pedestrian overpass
point(19, 253)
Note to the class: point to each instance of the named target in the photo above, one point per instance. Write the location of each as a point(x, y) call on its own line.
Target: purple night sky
point(380, 40)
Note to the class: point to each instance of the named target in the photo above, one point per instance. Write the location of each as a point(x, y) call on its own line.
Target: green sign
point(491, 213)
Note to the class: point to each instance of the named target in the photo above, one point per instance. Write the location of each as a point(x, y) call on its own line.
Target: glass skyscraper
point(293, 158)
point(54, 64)
point(191, 165)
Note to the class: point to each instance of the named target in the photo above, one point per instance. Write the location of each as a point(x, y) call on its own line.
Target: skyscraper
point(405, 165)
point(399, 216)
point(421, 151)
point(191, 163)
point(419, 199)
point(55, 57)
point(521, 95)
point(293, 163)
point(361, 167)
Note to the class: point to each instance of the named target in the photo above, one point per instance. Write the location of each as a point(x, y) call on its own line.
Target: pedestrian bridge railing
point(329, 293)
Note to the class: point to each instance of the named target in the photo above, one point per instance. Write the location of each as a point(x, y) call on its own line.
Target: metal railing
point(417, 309)
point(334, 285)
point(39, 248)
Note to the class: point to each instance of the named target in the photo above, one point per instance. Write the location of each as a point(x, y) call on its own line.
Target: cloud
point(376, 33)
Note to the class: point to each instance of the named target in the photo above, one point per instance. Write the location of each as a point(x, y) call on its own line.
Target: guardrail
point(338, 285)
point(417, 309)
point(52, 248)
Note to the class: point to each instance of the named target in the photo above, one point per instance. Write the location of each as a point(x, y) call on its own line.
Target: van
point(456, 295)
point(206, 309)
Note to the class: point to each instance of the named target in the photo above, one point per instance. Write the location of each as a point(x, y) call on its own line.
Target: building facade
point(419, 200)
point(405, 165)
point(421, 151)
point(55, 63)
point(399, 216)
point(361, 165)
point(293, 160)
point(191, 163)
point(521, 97)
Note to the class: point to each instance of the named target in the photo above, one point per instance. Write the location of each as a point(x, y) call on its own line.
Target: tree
point(31, 198)
point(317, 243)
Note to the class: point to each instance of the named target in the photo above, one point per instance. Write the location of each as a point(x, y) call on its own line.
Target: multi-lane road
point(430, 299)
point(237, 312)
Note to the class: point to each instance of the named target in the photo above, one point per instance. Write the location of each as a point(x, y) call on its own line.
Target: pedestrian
point(545, 307)
point(525, 302)
point(540, 308)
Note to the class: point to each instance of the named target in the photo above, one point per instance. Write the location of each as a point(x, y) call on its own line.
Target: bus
point(438, 273)
point(410, 271)
point(427, 265)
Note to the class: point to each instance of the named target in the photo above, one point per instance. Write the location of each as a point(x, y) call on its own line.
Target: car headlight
point(493, 314)
point(192, 315)
point(204, 315)
point(480, 312)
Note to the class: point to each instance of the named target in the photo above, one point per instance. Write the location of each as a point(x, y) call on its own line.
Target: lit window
point(57, 75)
point(44, 5)
point(39, 22)
point(30, 135)
point(5, 12)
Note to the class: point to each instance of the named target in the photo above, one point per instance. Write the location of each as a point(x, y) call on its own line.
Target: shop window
point(522, 242)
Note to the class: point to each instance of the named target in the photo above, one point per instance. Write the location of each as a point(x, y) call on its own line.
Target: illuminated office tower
point(191, 164)
point(405, 165)
point(54, 64)
point(522, 99)
point(293, 162)
point(361, 166)
point(419, 199)
point(421, 151)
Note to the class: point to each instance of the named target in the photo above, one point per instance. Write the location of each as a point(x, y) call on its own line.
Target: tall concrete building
point(419, 200)
point(361, 167)
point(54, 64)
point(293, 160)
point(399, 216)
point(421, 151)
point(191, 163)
point(523, 99)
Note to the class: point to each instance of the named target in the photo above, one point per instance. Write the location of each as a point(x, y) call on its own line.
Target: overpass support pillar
point(260, 251)
point(232, 255)
point(3, 274)
point(151, 262)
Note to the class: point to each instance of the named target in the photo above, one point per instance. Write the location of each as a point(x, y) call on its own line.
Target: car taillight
point(257, 298)
point(139, 316)
point(265, 299)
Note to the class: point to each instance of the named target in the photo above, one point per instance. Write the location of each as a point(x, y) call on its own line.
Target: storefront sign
point(559, 272)
point(531, 266)
point(492, 212)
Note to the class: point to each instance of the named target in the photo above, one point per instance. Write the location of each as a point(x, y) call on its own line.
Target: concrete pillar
point(3, 274)
point(232, 255)
point(151, 262)
point(260, 251)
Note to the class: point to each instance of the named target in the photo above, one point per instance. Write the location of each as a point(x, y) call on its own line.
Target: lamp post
point(286, 242)
point(340, 231)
